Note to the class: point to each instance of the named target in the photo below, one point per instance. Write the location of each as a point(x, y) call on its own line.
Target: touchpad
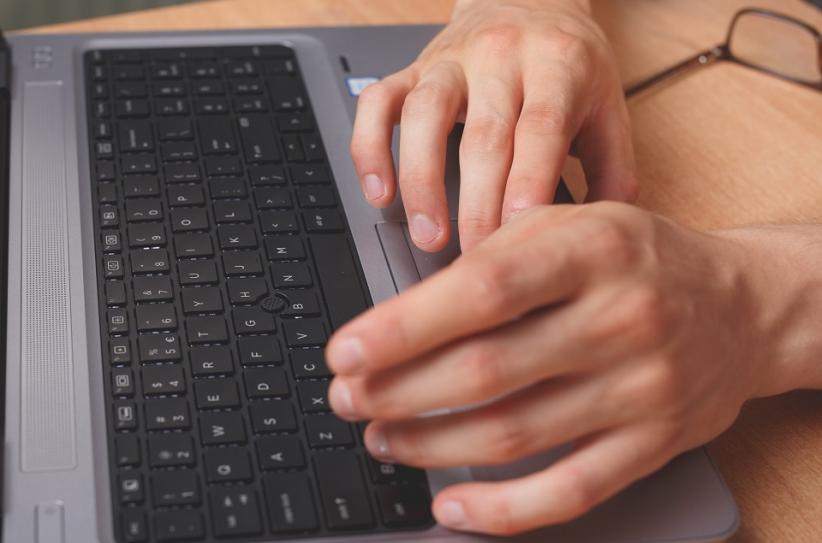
point(407, 263)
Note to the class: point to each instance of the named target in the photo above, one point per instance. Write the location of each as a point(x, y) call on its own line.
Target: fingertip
point(341, 399)
point(450, 513)
point(345, 355)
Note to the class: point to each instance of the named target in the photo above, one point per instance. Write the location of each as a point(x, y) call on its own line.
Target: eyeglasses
point(764, 40)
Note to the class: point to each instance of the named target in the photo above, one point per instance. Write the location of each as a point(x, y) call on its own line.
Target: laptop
point(183, 230)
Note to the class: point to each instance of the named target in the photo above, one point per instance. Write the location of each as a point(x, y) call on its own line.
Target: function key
point(120, 350)
point(122, 382)
point(113, 266)
point(133, 525)
point(117, 321)
point(125, 415)
point(115, 293)
point(111, 242)
point(130, 486)
point(127, 449)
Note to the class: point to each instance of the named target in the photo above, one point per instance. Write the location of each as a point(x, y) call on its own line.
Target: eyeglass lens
point(777, 45)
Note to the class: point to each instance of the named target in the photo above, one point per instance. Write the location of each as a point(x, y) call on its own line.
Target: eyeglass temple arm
point(700, 59)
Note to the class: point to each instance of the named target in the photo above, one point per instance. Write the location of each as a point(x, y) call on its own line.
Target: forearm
point(585, 5)
point(782, 287)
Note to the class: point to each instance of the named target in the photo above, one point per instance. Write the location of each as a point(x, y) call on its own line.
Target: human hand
point(530, 78)
point(601, 325)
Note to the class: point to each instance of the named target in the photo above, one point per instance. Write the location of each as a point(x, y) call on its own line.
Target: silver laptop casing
point(55, 475)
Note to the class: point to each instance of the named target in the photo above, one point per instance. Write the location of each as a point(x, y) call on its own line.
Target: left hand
point(600, 325)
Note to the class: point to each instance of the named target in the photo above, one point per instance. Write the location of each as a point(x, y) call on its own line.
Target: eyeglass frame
point(723, 52)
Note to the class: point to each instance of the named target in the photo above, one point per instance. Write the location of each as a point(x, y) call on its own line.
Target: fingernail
point(374, 187)
point(346, 355)
point(340, 398)
point(423, 229)
point(451, 514)
point(377, 443)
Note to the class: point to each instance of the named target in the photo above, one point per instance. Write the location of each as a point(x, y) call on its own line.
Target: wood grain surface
point(720, 147)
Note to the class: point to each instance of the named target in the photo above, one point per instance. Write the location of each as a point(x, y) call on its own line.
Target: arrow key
point(311, 173)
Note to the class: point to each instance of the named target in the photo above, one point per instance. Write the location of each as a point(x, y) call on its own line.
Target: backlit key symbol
point(317, 401)
point(125, 413)
point(120, 349)
point(113, 265)
point(130, 485)
point(111, 239)
point(217, 431)
point(118, 319)
point(122, 381)
point(109, 215)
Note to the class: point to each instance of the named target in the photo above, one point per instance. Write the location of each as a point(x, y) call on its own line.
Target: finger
point(471, 295)
point(544, 131)
point(553, 342)
point(486, 151)
point(378, 110)
point(541, 417)
point(428, 116)
point(563, 491)
point(606, 151)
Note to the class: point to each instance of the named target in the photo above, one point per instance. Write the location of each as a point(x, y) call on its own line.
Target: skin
point(530, 79)
point(622, 337)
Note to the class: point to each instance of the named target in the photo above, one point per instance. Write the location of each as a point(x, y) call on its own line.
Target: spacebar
point(337, 271)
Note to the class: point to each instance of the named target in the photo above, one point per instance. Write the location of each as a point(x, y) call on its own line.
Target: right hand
point(530, 79)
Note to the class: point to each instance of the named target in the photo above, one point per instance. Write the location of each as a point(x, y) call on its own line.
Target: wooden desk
point(724, 146)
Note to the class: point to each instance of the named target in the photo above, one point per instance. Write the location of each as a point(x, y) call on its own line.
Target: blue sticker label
point(357, 84)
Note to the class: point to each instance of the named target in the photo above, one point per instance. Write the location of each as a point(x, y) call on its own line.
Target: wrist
point(780, 302)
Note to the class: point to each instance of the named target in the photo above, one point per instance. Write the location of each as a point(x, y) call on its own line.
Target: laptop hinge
point(5, 151)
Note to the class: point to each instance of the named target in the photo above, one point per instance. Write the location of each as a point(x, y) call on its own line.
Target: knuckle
point(473, 223)
point(489, 133)
point(491, 294)
point(499, 39)
point(426, 98)
point(567, 47)
point(508, 438)
point(610, 238)
point(658, 386)
point(545, 119)
point(406, 445)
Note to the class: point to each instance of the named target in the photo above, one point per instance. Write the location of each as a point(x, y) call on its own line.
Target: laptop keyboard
point(224, 262)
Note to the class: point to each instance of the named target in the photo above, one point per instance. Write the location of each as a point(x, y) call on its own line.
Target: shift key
point(342, 491)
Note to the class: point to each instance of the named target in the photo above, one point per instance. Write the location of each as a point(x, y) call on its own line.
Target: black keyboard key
point(404, 505)
point(242, 263)
point(135, 136)
point(246, 86)
point(169, 89)
point(185, 219)
point(265, 383)
point(120, 350)
point(313, 148)
point(236, 236)
point(148, 209)
point(113, 266)
point(177, 487)
point(295, 122)
point(147, 234)
point(308, 364)
point(313, 396)
point(290, 503)
point(223, 166)
point(156, 317)
point(227, 188)
point(130, 485)
point(149, 261)
point(222, 428)
point(178, 150)
point(284, 248)
point(208, 87)
point(311, 197)
point(153, 289)
point(231, 212)
point(174, 129)
point(109, 217)
point(259, 350)
point(211, 360)
point(342, 490)
point(272, 416)
point(159, 348)
point(211, 106)
point(345, 297)
point(266, 175)
point(197, 272)
point(280, 452)
point(171, 449)
point(272, 198)
point(203, 69)
point(125, 415)
point(250, 104)
point(291, 275)
point(163, 380)
point(127, 450)
point(117, 320)
point(384, 472)
point(328, 431)
point(133, 525)
point(309, 174)
point(105, 170)
point(171, 106)
point(301, 303)
point(259, 141)
point(202, 300)
point(235, 511)
point(167, 414)
point(185, 195)
point(279, 222)
point(122, 382)
point(323, 221)
point(179, 525)
point(206, 330)
point(304, 333)
point(193, 245)
point(138, 164)
point(246, 290)
point(293, 148)
point(216, 394)
point(252, 320)
point(227, 465)
point(127, 109)
point(107, 193)
point(216, 136)
point(286, 93)
point(182, 173)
